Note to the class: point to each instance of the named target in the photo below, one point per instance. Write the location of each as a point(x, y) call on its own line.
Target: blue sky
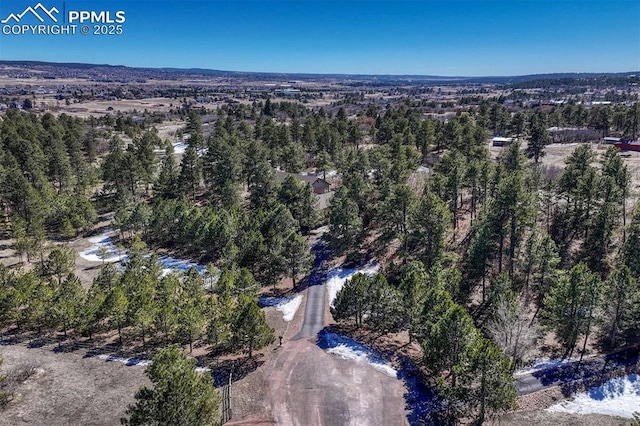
point(470, 38)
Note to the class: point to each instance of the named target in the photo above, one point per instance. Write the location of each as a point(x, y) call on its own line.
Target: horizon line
point(195, 68)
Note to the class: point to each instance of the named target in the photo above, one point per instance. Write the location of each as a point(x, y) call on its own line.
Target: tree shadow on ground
point(572, 377)
point(237, 368)
point(421, 400)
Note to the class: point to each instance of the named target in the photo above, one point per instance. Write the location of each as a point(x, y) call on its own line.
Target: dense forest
point(482, 258)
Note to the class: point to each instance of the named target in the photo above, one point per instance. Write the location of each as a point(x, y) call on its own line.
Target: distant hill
point(366, 78)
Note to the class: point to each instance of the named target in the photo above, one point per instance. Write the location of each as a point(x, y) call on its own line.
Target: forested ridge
point(481, 258)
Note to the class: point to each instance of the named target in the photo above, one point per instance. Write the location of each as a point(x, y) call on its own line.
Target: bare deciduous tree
point(510, 329)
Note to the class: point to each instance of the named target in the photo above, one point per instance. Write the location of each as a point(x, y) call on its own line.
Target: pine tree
point(262, 186)
point(92, 312)
point(353, 300)
point(250, 328)
point(143, 149)
point(117, 306)
point(191, 307)
point(488, 380)
point(570, 306)
point(166, 186)
point(345, 224)
point(621, 312)
point(429, 224)
point(179, 396)
point(190, 172)
point(297, 256)
point(166, 303)
point(413, 289)
point(394, 213)
point(631, 247)
point(385, 312)
point(448, 343)
point(223, 168)
point(68, 301)
point(538, 138)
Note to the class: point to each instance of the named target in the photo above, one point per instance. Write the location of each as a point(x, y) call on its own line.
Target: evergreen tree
point(488, 381)
point(538, 138)
point(353, 300)
point(413, 289)
point(166, 186)
point(223, 168)
point(146, 159)
point(570, 306)
point(190, 172)
point(631, 247)
point(262, 186)
point(385, 313)
point(297, 256)
point(68, 302)
point(448, 343)
point(250, 328)
point(117, 305)
point(179, 396)
point(166, 303)
point(92, 311)
point(395, 211)
point(345, 224)
point(621, 312)
point(191, 307)
point(429, 223)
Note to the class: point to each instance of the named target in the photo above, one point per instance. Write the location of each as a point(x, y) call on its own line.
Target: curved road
point(590, 369)
point(311, 387)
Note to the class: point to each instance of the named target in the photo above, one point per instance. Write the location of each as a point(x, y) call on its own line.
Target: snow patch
point(287, 305)
point(347, 348)
point(173, 264)
point(138, 361)
point(616, 397)
point(290, 308)
point(103, 249)
point(337, 277)
point(179, 147)
point(103, 246)
point(126, 361)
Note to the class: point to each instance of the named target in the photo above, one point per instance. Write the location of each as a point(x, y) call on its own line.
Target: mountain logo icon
point(34, 11)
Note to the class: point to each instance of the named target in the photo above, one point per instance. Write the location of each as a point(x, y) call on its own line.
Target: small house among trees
point(320, 185)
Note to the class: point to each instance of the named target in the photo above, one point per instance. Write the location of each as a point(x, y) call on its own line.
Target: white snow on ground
point(616, 397)
point(346, 352)
point(127, 361)
point(138, 361)
point(179, 147)
point(287, 305)
point(347, 348)
point(103, 241)
point(337, 277)
point(290, 308)
point(542, 364)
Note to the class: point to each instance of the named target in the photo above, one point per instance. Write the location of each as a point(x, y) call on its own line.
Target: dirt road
point(311, 387)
